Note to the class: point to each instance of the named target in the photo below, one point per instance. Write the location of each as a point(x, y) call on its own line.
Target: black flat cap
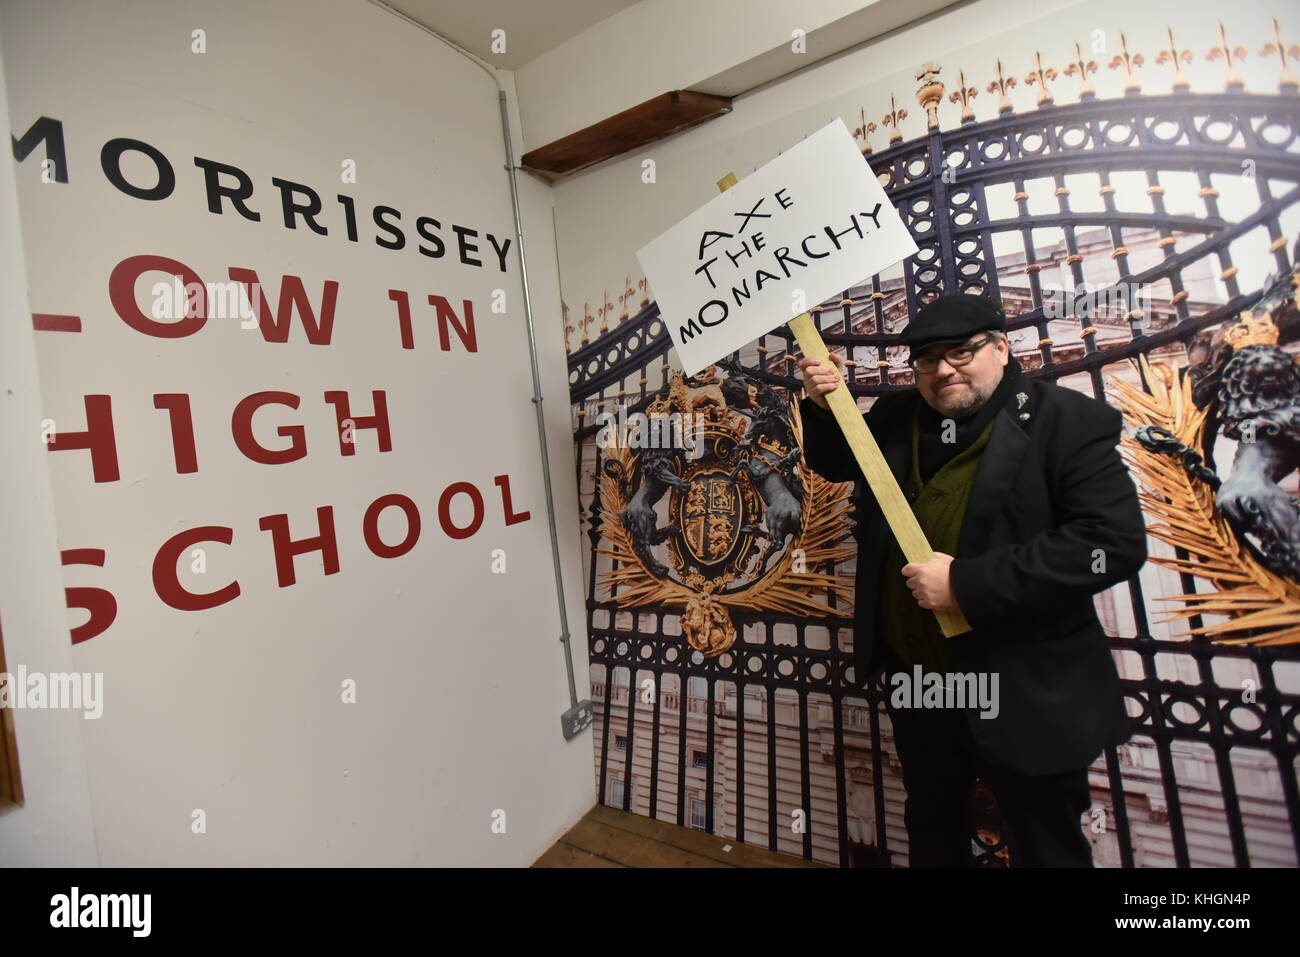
point(951, 319)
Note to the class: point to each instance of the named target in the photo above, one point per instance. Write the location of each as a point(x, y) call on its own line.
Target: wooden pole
point(899, 515)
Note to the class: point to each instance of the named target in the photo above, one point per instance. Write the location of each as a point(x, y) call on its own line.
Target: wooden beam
point(644, 123)
point(11, 784)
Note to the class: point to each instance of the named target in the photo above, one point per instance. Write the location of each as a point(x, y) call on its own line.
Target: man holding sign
point(1030, 510)
point(1052, 518)
point(808, 225)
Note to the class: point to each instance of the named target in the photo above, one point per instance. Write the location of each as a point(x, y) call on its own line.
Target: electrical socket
point(576, 720)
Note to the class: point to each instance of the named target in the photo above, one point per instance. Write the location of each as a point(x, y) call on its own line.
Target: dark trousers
point(940, 766)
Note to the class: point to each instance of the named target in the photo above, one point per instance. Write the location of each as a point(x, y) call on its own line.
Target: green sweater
point(940, 507)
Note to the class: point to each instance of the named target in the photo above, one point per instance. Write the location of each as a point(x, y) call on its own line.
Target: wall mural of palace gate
point(1115, 229)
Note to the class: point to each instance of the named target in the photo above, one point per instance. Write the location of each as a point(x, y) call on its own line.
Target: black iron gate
point(777, 715)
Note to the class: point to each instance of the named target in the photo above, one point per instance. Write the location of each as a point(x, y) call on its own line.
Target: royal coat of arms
point(1241, 533)
point(726, 518)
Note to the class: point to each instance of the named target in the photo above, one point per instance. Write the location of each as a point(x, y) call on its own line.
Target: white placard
point(808, 225)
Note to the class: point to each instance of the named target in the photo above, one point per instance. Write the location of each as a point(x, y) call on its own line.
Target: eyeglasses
point(955, 357)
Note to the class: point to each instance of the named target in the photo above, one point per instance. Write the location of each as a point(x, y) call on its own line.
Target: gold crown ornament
point(1255, 331)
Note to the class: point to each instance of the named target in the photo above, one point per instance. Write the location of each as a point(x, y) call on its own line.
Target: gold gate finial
point(1002, 84)
point(1082, 67)
point(895, 115)
point(930, 93)
point(863, 130)
point(1177, 57)
point(1041, 76)
point(1287, 83)
point(1128, 61)
point(963, 95)
point(625, 297)
point(604, 311)
point(1230, 55)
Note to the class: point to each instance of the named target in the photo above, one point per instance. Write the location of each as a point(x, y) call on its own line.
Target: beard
point(968, 402)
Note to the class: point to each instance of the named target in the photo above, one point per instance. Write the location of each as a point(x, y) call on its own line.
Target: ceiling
point(532, 26)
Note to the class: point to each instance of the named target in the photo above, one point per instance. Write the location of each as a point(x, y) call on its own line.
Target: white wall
point(236, 710)
point(54, 826)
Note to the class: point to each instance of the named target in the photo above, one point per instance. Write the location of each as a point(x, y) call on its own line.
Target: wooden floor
point(606, 837)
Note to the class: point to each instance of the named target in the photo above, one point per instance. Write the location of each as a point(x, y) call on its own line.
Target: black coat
point(1050, 491)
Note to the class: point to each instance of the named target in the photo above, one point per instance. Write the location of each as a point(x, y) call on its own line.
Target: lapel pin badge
point(1021, 399)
